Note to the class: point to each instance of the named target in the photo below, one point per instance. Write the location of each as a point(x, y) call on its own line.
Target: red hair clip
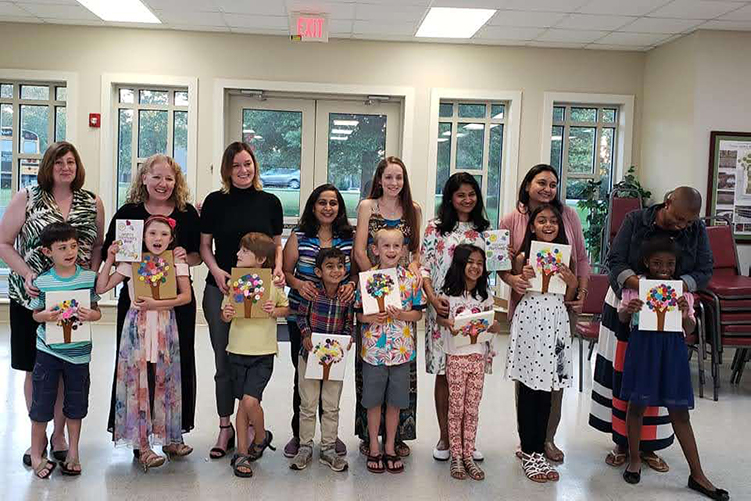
point(171, 222)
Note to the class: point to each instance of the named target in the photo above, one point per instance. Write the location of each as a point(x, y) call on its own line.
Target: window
point(470, 139)
point(582, 147)
point(149, 121)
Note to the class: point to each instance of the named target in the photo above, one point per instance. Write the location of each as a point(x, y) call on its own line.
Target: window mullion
point(454, 140)
point(564, 162)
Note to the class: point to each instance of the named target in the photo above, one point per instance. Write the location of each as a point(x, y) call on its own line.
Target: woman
point(58, 197)
point(540, 186)
point(323, 224)
point(461, 220)
point(389, 205)
point(159, 189)
point(241, 206)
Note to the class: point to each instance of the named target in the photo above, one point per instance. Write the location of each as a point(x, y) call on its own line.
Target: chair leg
point(591, 348)
point(741, 365)
point(735, 365)
point(581, 364)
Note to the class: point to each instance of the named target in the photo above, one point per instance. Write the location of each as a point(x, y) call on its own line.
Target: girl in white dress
point(539, 350)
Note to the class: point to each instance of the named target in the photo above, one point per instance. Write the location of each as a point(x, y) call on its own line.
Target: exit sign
point(309, 27)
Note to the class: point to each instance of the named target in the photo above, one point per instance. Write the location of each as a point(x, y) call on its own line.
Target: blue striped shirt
point(49, 281)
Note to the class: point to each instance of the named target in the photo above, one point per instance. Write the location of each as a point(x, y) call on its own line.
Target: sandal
point(255, 451)
point(218, 452)
point(655, 462)
point(533, 469)
point(364, 448)
point(45, 465)
point(402, 450)
point(150, 459)
point(393, 460)
point(474, 471)
point(615, 458)
point(68, 468)
point(550, 472)
point(457, 469)
point(242, 461)
point(553, 453)
point(177, 450)
point(378, 460)
point(27, 457)
point(61, 454)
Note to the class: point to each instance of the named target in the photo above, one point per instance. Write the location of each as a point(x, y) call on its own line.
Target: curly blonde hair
point(137, 192)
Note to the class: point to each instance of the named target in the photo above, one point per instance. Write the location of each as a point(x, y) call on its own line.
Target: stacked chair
point(589, 330)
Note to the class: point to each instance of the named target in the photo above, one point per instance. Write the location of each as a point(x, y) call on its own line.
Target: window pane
point(35, 92)
point(444, 162)
point(608, 115)
point(181, 98)
point(276, 138)
point(60, 123)
point(556, 148)
point(354, 152)
point(6, 117)
point(6, 90)
point(559, 113)
point(61, 94)
point(469, 143)
point(152, 132)
point(446, 110)
point(6, 171)
point(180, 140)
point(493, 198)
point(583, 114)
point(581, 149)
point(606, 160)
point(34, 122)
point(127, 96)
point(497, 111)
point(124, 153)
point(28, 169)
point(472, 110)
point(575, 189)
point(153, 97)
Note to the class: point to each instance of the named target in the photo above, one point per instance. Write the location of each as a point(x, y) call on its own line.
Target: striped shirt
point(324, 315)
point(49, 281)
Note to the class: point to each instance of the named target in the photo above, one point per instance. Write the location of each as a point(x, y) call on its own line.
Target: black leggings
point(532, 413)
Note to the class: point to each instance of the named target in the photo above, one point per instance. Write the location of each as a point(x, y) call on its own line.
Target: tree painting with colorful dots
point(154, 271)
point(248, 290)
point(662, 299)
point(380, 285)
point(547, 262)
point(328, 353)
point(474, 328)
point(68, 318)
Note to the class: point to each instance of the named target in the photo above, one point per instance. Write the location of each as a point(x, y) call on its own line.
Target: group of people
point(53, 238)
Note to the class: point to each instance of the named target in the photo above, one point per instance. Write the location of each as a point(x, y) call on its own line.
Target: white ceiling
point(590, 24)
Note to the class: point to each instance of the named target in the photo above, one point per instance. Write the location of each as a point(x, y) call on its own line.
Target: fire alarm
point(95, 120)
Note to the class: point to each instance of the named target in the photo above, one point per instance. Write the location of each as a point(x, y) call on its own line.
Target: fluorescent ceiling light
point(461, 134)
point(124, 11)
point(339, 138)
point(447, 133)
point(342, 131)
point(499, 116)
point(474, 127)
point(556, 138)
point(256, 137)
point(442, 139)
point(451, 22)
point(347, 123)
point(248, 131)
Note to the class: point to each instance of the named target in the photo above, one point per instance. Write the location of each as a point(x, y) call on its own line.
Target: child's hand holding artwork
point(307, 343)
point(683, 306)
point(495, 328)
point(393, 312)
point(87, 314)
point(268, 307)
point(228, 312)
point(146, 303)
point(113, 250)
point(448, 323)
point(180, 255)
point(51, 314)
point(634, 306)
point(381, 318)
point(567, 275)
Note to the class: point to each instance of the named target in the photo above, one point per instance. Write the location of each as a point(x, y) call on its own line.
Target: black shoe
point(718, 494)
point(632, 477)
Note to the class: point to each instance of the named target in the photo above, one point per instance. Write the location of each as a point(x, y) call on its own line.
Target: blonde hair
point(137, 192)
point(228, 158)
point(385, 231)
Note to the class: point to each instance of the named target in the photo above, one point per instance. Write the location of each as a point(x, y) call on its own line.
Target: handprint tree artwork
point(328, 353)
point(327, 361)
point(546, 259)
point(661, 300)
point(68, 328)
point(474, 328)
point(660, 311)
point(68, 318)
point(248, 290)
point(379, 286)
point(154, 271)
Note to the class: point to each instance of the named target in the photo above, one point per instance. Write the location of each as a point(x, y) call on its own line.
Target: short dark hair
point(330, 253)
point(656, 245)
point(261, 245)
point(57, 232)
point(45, 178)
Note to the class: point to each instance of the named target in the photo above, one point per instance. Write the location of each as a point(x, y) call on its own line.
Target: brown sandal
point(457, 469)
point(378, 460)
point(615, 458)
point(656, 463)
point(402, 450)
point(474, 471)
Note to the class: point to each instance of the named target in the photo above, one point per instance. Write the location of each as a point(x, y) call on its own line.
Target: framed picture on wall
point(729, 182)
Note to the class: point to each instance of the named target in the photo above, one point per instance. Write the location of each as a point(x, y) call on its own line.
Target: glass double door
point(303, 143)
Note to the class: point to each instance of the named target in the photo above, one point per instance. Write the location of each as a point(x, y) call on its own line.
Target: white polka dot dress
point(539, 349)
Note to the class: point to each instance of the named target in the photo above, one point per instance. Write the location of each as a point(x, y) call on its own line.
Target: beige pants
point(311, 390)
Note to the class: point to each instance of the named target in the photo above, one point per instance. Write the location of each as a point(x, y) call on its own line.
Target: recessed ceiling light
point(451, 22)
point(123, 11)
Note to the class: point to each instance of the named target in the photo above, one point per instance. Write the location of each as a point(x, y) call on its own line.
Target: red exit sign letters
point(309, 27)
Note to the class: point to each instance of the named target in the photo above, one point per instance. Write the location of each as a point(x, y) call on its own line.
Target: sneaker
point(477, 456)
point(340, 448)
point(441, 454)
point(290, 450)
point(302, 458)
point(331, 459)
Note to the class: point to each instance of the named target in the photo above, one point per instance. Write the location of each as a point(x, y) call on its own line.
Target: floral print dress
point(436, 254)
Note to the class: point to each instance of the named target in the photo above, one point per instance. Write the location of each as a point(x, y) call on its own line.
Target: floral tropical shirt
point(393, 343)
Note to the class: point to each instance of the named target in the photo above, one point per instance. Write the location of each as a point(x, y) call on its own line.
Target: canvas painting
point(473, 328)
point(379, 289)
point(154, 276)
point(249, 289)
point(68, 328)
point(660, 311)
point(129, 236)
point(546, 259)
point(328, 360)
point(496, 250)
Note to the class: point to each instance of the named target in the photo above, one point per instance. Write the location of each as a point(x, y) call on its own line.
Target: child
point(388, 345)
point(466, 285)
point(539, 350)
point(325, 314)
point(148, 396)
point(59, 242)
point(252, 346)
point(656, 370)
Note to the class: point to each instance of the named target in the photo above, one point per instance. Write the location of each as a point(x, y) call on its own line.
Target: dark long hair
point(405, 197)
point(447, 212)
point(530, 235)
point(308, 223)
point(656, 245)
point(455, 283)
point(523, 200)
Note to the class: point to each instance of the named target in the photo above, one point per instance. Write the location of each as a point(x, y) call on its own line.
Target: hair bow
point(171, 222)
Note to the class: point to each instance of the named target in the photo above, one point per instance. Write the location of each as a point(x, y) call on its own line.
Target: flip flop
point(378, 460)
point(616, 459)
point(27, 457)
point(656, 463)
point(393, 460)
point(49, 466)
point(66, 468)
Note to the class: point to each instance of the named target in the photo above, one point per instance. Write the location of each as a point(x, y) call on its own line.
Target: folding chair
point(618, 208)
point(593, 304)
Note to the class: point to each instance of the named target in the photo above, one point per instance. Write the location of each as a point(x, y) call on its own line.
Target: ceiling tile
point(182, 5)
point(593, 22)
point(509, 33)
point(12, 19)
point(7, 10)
point(557, 45)
point(260, 31)
point(260, 22)
point(405, 13)
point(188, 27)
point(622, 7)
point(660, 25)
point(695, 9)
point(626, 48)
point(59, 2)
point(191, 17)
point(526, 19)
point(334, 10)
point(742, 14)
point(368, 28)
point(727, 25)
point(640, 39)
point(491, 41)
point(573, 36)
point(423, 3)
point(543, 5)
point(256, 7)
point(83, 22)
point(50, 11)
point(339, 27)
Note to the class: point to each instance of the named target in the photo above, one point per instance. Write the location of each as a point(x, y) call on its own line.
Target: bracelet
point(582, 292)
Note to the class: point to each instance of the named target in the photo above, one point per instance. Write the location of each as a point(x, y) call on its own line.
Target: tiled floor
point(722, 429)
